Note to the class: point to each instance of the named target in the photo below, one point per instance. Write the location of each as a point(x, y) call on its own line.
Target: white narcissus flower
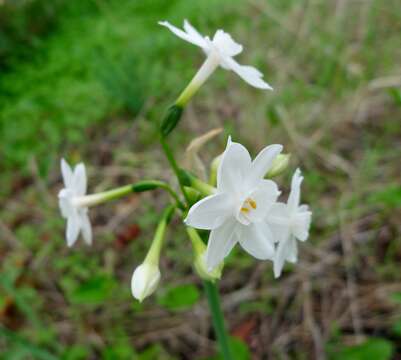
point(71, 205)
point(219, 51)
point(144, 280)
point(289, 222)
point(237, 211)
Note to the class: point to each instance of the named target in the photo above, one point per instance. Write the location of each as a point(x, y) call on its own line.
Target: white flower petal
point(295, 194)
point(280, 233)
point(190, 37)
point(66, 173)
point(225, 44)
point(64, 201)
point(286, 250)
point(300, 225)
point(210, 212)
point(257, 240)
point(248, 73)
point(79, 180)
point(191, 31)
point(292, 254)
point(86, 226)
point(278, 214)
point(73, 227)
point(262, 163)
point(303, 207)
point(279, 258)
point(234, 167)
point(221, 241)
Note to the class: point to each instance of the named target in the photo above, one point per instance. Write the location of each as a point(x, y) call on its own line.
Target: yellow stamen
point(252, 203)
point(245, 210)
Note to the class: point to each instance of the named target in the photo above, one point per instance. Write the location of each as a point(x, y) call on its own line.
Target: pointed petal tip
point(277, 272)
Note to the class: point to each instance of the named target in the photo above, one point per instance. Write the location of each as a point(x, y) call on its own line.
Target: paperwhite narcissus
point(144, 280)
point(289, 222)
point(71, 206)
point(219, 51)
point(237, 211)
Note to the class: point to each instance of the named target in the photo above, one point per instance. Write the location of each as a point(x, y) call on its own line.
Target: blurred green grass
point(104, 71)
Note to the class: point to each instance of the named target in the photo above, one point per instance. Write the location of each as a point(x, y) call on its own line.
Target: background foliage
point(89, 80)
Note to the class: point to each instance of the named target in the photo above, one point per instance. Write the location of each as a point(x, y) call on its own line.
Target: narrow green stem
point(141, 186)
point(102, 197)
point(154, 251)
point(218, 319)
point(153, 184)
point(174, 166)
point(204, 188)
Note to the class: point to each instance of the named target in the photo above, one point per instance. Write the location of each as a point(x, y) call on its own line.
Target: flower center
point(248, 205)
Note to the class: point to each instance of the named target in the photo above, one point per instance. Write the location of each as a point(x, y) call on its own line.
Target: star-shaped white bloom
point(237, 211)
point(220, 51)
point(71, 204)
point(289, 222)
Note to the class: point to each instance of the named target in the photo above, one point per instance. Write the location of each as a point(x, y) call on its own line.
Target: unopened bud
point(199, 261)
point(280, 164)
point(171, 119)
point(214, 166)
point(144, 280)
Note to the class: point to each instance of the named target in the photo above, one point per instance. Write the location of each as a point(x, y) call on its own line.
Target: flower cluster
point(244, 210)
point(239, 203)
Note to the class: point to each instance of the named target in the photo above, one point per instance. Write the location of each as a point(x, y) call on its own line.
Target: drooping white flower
point(289, 222)
point(237, 211)
point(221, 50)
point(144, 280)
point(71, 205)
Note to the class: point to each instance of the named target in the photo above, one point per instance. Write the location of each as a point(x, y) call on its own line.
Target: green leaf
point(94, 291)
point(373, 348)
point(25, 345)
point(119, 351)
point(238, 347)
point(180, 297)
point(396, 297)
point(154, 352)
point(390, 196)
point(396, 329)
point(76, 352)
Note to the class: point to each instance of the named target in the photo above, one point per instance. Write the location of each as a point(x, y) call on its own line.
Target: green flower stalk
point(194, 182)
point(146, 276)
point(74, 203)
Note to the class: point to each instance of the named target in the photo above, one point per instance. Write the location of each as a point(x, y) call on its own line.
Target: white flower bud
point(145, 280)
point(201, 268)
point(279, 165)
